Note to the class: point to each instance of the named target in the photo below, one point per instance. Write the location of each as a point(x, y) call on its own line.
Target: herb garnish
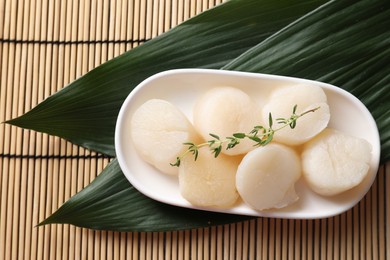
point(259, 134)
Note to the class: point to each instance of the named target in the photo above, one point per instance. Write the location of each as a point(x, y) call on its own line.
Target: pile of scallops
point(264, 177)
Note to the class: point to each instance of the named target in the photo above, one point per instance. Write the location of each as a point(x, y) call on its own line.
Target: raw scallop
point(224, 111)
point(158, 131)
point(266, 177)
point(209, 181)
point(306, 97)
point(334, 162)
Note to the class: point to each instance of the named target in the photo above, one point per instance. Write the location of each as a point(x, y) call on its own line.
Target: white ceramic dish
point(182, 87)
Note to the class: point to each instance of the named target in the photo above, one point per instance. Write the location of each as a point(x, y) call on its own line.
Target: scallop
point(334, 162)
point(158, 131)
point(209, 181)
point(305, 97)
point(266, 177)
point(224, 111)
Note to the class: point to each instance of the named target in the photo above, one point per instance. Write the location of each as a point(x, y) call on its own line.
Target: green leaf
point(111, 203)
point(294, 109)
point(85, 112)
point(268, 140)
point(255, 138)
point(239, 135)
point(270, 121)
point(345, 43)
point(217, 151)
point(214, 136)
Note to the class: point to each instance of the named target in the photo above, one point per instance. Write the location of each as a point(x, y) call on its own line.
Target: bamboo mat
point(44, 45)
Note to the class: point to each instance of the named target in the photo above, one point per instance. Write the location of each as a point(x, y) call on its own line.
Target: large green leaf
point(85, 112)
point(337, 44)
point(349, 47)
point(111, 203)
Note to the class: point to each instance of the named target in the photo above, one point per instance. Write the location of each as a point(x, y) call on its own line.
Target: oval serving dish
point(182, 88)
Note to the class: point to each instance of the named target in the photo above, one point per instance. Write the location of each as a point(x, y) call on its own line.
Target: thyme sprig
point(259, 134)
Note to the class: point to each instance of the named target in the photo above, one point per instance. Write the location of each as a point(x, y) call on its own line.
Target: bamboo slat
point(44, 45)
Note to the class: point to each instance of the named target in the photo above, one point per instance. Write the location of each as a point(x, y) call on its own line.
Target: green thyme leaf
point(215, 136)
point(259, 134)
point(239, 135)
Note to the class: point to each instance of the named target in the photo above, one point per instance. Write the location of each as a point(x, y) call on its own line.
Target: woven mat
point(44, 45)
